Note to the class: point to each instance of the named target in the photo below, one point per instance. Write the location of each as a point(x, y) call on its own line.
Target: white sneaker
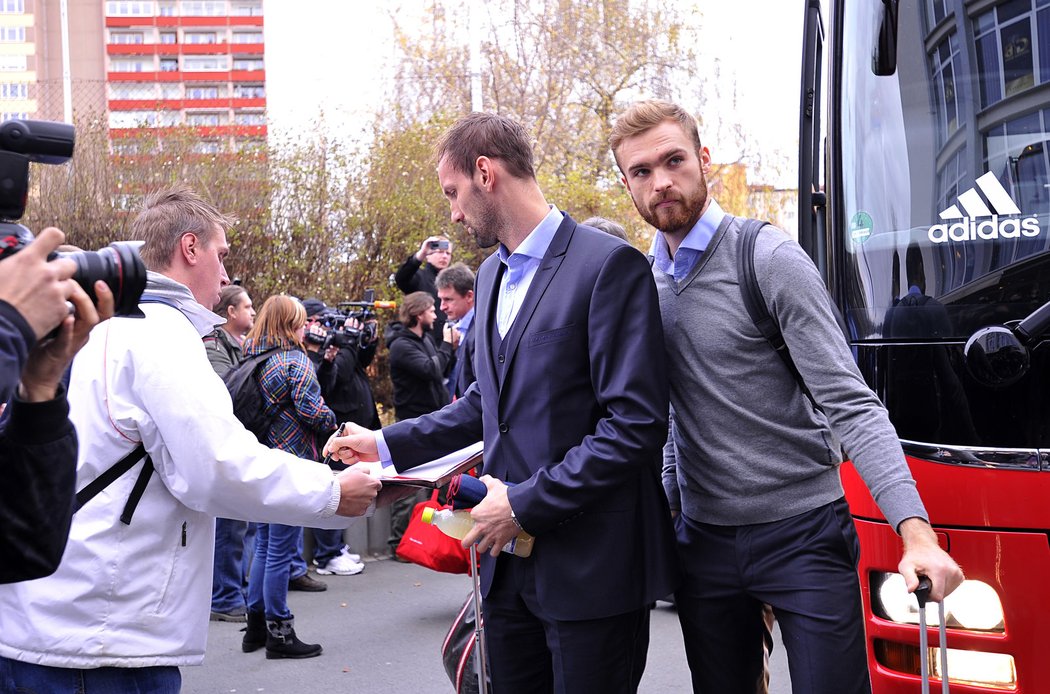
point(342, 565)
point(345, 551)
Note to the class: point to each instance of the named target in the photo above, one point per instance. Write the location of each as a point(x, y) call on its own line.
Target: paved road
point(382, 633)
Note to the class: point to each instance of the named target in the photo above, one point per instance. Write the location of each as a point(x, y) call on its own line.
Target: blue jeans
point(27, 678)
point(328, 544)
point(275, 545)
point(299, 567)
point(234, 546)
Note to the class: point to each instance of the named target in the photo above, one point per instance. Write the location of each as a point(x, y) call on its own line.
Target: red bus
point(925, 202)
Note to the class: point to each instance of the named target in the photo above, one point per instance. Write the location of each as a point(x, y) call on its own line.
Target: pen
point(328, 458)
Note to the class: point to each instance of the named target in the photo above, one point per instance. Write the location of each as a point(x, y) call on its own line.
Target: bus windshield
point(942, 168)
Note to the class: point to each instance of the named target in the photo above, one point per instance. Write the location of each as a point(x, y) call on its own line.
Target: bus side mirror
point(995, 357)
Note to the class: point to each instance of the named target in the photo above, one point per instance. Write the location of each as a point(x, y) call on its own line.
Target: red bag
point(426, 545)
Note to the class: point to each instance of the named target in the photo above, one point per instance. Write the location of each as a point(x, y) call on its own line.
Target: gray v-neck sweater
point(748, 447)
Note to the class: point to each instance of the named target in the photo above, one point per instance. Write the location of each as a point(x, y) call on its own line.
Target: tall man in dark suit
point(571, 401)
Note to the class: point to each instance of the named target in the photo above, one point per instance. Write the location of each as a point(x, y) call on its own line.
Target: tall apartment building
point(139, 63)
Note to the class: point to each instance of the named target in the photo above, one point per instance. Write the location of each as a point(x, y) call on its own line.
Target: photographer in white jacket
point(129, 603)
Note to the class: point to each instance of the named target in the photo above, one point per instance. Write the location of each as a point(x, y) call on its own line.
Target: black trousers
point(533, 653)
point(805, 568)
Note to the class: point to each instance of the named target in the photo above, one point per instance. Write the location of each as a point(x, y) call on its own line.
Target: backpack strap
point(755, 302)
point(115, 471)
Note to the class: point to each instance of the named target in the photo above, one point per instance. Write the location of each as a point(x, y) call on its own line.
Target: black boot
point(281, 641)
point(255, 632)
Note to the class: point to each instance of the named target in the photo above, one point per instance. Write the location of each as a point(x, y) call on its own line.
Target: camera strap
point(115, 471)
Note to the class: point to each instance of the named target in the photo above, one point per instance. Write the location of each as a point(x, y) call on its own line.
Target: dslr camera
point(45, 142)
point(337, 333)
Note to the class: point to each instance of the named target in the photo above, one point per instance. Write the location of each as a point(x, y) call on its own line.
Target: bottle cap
point(428, 515)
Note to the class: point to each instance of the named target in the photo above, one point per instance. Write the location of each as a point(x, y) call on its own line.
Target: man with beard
point(751, 467)
point(572, 427)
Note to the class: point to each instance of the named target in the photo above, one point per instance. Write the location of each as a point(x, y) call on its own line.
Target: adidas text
point(986, 229)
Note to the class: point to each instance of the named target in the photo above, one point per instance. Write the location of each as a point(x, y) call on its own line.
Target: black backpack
point(249, 403)
point(756, 305)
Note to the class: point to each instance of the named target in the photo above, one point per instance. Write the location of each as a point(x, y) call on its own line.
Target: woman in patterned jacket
point(290, 386)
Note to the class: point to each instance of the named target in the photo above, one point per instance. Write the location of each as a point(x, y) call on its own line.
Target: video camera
point(339, 334)
point(47, 142)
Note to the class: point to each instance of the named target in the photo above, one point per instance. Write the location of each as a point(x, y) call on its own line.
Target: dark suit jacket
point(465, 363)
point(577, 422)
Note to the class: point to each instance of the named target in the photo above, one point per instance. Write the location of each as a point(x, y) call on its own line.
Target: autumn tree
point(564, 69)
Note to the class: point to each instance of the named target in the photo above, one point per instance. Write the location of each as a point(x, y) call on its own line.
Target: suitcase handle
point(922, 592)
point(922, 595)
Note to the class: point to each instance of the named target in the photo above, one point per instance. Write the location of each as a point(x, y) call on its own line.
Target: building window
point(14, 90)
point(169, 64)
point(210, 119)
point(132, 119)
point(131, 65)
point(943, 62)
point(207, 147)
point(249, 118)
point(248, 37)
point(132, 90)
point(168, 37)
point(199, 37)
point(166, 8)
point(247, 9)
point(8, 115)
point(203, 8)
point(247, 64)
point(169, 119)
point(13, 63)
point(129, 8)
point(12, 34)
point(202, 92)
point(935, 12)
point(205, 63)
point(126, 38)
point(170, 90)
point(12, 6)
point(1011, 41)
point(249, 91)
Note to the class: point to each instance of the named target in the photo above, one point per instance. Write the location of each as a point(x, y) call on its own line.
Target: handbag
point(458, 652)
point(426, 545)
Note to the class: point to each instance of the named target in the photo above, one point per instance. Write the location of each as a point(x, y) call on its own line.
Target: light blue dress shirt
point(521, 269)
point(693, 245)
point(514, 285)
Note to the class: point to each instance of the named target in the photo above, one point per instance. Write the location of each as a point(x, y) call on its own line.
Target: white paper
point(430, 471)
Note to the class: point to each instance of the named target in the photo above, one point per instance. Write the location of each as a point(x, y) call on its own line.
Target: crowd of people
point(634, 421)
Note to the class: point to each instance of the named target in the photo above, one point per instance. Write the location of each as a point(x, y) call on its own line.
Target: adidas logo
point(982, 221)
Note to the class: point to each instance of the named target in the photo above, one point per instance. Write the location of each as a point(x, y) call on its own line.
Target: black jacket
point(38, 454)
point(345, 387)
point(412, 276)
point(416, 370)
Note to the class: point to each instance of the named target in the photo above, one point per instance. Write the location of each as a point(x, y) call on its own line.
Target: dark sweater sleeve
point(16, 339)
point(407, 278)
point(38, 455)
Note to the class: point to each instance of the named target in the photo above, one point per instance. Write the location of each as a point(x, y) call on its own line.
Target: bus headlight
point(974, 605)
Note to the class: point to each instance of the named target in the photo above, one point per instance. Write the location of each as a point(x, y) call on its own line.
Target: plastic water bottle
point(458, 523)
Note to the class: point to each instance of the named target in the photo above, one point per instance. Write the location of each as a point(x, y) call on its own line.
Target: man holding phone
point(419, 274)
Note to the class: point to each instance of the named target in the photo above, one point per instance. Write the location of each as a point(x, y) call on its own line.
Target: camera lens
point(120, 267)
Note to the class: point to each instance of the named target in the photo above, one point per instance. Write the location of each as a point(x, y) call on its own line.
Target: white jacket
point(139, 595)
